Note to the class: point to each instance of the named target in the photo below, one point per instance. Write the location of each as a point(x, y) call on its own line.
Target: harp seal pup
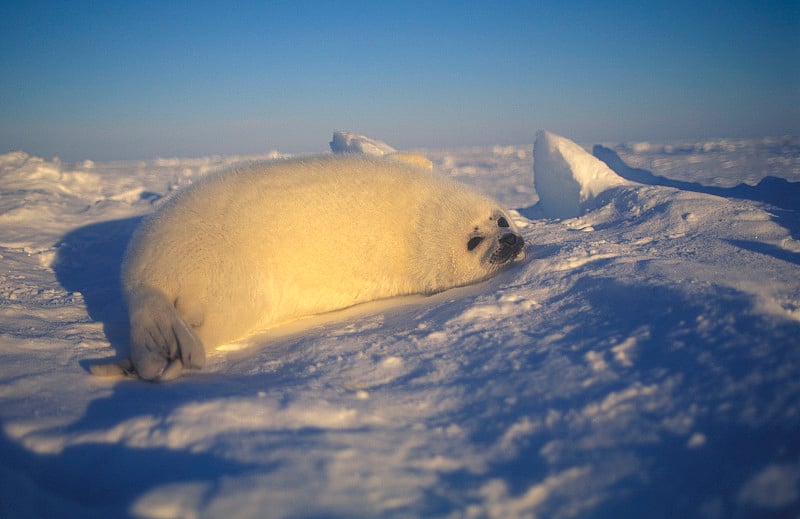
point(252, 247)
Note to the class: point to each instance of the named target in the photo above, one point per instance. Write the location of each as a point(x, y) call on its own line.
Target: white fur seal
point(248, 248)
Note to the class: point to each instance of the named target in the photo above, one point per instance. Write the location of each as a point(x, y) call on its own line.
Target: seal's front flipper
point(192, 352)
point(162, 344)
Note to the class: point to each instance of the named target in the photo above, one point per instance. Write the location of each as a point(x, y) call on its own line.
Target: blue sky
point(135, 80)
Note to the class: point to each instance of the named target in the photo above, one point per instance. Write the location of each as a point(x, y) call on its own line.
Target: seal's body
point(250, 248)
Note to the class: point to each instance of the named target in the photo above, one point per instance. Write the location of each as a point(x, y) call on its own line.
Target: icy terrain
point(642, 361)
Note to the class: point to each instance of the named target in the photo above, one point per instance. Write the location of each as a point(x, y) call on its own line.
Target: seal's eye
point(502, 222)
point(474, 242)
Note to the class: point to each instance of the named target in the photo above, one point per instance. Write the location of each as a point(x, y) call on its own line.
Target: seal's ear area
point(415, 159)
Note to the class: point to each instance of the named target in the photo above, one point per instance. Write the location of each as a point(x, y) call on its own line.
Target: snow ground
point(642, 361)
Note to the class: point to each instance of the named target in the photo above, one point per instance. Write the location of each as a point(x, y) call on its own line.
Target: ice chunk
point(346, 142)
point(566, 176)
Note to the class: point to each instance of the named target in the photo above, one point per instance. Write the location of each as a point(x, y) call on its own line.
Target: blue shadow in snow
point(710, 356)
point(775, 191)
point(99, 479)
point(89, 260)
point(783, 195)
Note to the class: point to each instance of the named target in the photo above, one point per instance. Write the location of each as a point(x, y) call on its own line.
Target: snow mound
point(567, 177)
point(346, 142)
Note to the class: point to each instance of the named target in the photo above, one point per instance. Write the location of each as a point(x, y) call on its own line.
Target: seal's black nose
point(510, 245)
point(510, 240)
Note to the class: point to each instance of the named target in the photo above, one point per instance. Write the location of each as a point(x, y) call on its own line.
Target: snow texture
point(643, 361)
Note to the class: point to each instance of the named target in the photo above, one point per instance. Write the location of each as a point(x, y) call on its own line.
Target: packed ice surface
point(642, 361)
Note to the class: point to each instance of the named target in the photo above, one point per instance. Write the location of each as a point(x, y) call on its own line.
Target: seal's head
point(468, 242)
point(496, 242)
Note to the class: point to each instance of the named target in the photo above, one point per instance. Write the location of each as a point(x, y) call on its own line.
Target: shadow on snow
point(97, 479)
point(775, 191)
point(715, 362)
point(89, 261)
point(783, 195)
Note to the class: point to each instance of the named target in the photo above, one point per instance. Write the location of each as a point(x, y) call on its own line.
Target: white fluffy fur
point(245, 249)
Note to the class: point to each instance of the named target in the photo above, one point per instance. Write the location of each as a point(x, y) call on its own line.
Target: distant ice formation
point(346, 142)
point(567, 177)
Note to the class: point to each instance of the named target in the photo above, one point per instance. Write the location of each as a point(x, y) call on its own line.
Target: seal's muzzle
point(508, 246)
